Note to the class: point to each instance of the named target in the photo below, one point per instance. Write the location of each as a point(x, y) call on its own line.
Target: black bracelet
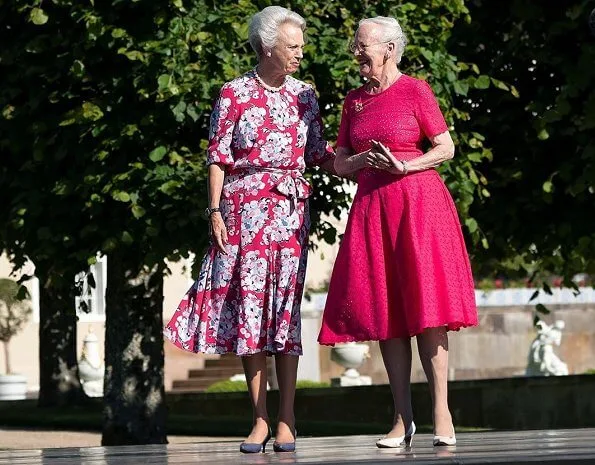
point(209, 211)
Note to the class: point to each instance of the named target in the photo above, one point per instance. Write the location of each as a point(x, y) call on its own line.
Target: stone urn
point(13, 387)
point(91, 368)
point(350, 356)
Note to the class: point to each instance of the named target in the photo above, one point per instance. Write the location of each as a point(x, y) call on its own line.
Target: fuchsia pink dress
point(248, 300)
point(402, 265)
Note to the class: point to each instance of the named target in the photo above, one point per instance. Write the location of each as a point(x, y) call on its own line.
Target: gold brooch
point(359, 106)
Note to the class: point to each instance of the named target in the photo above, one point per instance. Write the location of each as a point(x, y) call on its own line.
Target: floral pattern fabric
point(248, 300)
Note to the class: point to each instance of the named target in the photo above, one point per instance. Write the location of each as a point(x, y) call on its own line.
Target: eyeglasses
point(355, 47)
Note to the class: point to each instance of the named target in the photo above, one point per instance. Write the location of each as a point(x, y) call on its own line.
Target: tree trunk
point(6, 358)
point(59, 382)
point(134, 395)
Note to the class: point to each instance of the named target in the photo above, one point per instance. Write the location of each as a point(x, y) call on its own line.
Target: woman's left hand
point(381, 158)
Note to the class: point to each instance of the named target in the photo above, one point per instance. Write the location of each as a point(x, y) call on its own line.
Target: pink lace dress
point(248, 300)
point(402, 265)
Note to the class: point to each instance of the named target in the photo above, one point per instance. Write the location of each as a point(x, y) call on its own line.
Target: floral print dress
point(248, 300)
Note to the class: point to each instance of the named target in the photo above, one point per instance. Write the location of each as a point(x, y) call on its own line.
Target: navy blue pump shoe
point(255, 447)
point(285, 446)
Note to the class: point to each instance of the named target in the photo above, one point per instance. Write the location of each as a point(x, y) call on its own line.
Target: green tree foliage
point(105, 109)
point(539, 219)
point(130, 85)
point(428, 25)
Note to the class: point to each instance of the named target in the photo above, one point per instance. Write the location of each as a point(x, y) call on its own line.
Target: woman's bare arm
point(443, 148)
point(347, 163)
point(215, 186)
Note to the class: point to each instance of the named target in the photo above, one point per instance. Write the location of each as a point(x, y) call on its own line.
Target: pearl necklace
point(265, 85)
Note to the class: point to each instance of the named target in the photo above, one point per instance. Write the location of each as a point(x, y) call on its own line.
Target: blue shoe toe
point(255, 447)
point(284, 447)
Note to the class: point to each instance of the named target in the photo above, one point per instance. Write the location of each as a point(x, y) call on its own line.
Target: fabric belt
point(290, 183)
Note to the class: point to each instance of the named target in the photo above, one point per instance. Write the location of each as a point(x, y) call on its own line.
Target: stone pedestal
point(351, 377)
point(309, 366)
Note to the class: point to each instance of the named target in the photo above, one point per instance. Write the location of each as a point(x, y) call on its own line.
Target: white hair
point(264, 26)
point(389, 31)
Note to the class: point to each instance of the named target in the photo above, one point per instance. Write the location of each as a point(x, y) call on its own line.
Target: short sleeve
point(318, 150)
point(427, 111)
point(344, 138)
point(223, 121)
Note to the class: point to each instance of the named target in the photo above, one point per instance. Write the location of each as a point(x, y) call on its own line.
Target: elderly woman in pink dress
point(265, 130)
point(402, 269)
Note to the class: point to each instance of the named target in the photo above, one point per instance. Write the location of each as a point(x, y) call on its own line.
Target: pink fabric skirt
point(402, 266)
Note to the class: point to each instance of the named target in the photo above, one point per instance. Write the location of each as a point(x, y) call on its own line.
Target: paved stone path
point(14, 438)
point(549, 447)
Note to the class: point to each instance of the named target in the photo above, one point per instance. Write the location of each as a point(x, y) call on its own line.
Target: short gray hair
point(264, 26)
point(390, 31)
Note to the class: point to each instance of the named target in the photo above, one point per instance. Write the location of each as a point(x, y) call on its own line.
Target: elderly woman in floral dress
point(265, 130)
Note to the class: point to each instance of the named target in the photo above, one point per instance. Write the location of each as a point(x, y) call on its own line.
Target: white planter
point(13, 387)
point(349, 355)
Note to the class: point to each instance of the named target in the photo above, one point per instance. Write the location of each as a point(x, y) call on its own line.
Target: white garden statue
point(91, 369)
point(542, 361)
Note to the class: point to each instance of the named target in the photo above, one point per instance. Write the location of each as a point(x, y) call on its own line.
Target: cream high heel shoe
point(445, 440)
point(398, 442)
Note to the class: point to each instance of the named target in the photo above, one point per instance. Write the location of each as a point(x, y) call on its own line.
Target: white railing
point(522, 296)
point(496, 298)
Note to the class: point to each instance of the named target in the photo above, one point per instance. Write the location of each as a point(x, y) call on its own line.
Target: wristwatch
point(210, 211)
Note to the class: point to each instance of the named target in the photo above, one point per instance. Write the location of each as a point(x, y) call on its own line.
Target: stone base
point(345, 381)
point(93, 388)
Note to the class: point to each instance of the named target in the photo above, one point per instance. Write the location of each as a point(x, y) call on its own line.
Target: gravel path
point(42, 439)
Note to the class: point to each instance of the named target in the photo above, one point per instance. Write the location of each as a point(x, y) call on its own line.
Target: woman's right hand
point(371, 158)
point(374, 158)
point(219, 232)
point(380, 157)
